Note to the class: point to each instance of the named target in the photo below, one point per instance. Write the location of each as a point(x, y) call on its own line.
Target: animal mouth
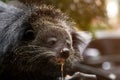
point(56, 60)
point(60, 60)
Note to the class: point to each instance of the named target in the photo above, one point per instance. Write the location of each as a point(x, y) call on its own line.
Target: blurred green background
point(4, 0)
point(83, 11)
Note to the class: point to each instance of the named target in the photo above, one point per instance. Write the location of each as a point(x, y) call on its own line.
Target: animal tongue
point(62, 61)
point(62, 75)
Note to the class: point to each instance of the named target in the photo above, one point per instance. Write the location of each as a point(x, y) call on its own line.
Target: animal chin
point(35, 60)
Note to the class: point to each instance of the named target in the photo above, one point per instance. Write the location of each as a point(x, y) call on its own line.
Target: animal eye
point(51, 41)
point(68, 43)
point(28, 35)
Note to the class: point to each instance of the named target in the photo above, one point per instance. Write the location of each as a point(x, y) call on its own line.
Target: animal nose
point(65, 53)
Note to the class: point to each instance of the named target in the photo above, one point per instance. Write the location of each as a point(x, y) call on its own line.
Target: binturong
point(34, 40)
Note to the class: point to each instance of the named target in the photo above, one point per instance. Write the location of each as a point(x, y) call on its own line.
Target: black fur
point(25, 50)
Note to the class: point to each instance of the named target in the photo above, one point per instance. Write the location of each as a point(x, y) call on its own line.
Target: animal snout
point(64, 53)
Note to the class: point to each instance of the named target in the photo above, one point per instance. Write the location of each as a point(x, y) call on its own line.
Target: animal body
point(34, 41)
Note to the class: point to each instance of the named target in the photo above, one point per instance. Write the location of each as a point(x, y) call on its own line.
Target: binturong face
point(35, 45)
point(42, 47)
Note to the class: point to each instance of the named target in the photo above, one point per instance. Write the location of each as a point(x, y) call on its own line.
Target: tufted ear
point(80, 40)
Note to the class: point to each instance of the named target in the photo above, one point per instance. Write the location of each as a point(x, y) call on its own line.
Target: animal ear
point(81, 40)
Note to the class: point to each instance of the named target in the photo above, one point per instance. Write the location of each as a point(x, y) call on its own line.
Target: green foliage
point(82, 11)
point(4, 0)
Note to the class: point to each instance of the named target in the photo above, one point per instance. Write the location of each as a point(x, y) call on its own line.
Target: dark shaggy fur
point(31, 40)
